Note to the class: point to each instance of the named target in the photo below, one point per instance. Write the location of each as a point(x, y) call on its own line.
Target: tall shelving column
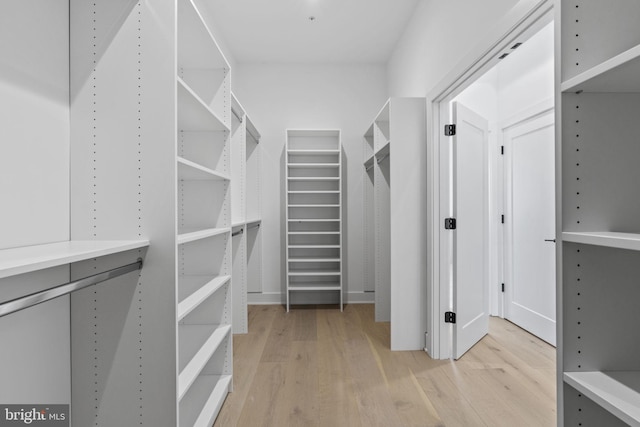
point(599, 213)
point(395, 218)
point(369, 216)
point(314, 217)
point(204, 221)
point(245, 213)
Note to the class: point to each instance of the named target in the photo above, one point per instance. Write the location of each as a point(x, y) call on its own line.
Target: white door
point(470, 242)
point(530, 226)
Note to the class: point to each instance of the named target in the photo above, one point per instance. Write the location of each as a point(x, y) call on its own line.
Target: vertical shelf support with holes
point(598, 96)
point(314, 217)
point(245, 213)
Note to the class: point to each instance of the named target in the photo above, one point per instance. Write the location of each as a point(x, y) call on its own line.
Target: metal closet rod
point(253, 226)
point(237, 232)
point(368, 168)
point(237, 115)
point(58, 291)
point(382, 158)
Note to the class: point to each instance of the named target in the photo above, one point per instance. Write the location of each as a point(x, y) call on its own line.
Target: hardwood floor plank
point(337, 400)
point(247, 351)
point(317, 366)
point(278, 345)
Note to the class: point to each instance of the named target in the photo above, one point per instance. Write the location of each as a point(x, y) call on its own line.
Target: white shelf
point(193, 290)
point(188, 170)
point(313, 220)
point(314, 246)
point(194, 114)
point(315, 192)
point(610, 239)
point(313, 178)
point(618, 74)
point(211, 392)
point(253, 221)
point(617, 392)
point(314, 259)
point(314, 273)
point(189, 235)
point(32, 258)
point(313, 152)
point(190, 334)
point(313, 165)
point(313, 233)
point(314, 206)
point(315, 288)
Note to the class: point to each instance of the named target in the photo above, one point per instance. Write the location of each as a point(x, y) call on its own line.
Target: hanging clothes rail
point(58, 291)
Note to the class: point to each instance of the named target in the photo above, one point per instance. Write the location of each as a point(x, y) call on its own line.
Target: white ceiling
point(344, 31)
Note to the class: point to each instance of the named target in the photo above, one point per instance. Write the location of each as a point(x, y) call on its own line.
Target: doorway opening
point(496, 177)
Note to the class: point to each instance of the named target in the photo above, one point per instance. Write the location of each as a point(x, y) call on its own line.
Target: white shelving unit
point(314, 216)
point(598, 219)
point(204, 252)
point(394, 220)
point(247, 239)
point(142, 159)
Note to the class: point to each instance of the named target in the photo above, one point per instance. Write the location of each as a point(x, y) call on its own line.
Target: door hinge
point(502, 218)
point(502, 150)
point(449, 223)
point(503, 287)
point(449, 130)
point(449, 317)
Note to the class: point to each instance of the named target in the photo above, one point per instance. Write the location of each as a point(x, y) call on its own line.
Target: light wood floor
point(316, 366)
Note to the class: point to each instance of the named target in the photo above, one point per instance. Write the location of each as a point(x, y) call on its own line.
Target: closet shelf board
point(314, 178)
point(314, 273)
point(194, 114)
point(212, 390)
point(618, 74)
point(193, 290)
point(313, 220)
point(188, 170)
point(314, 288)
point(313, 152)
point(197, 363)
point(253, 221)
point(315, 192)
point(32, 258)
point(314, 206)
point(314, 260)
point(314, 246)
point(313, 165)
point(610, 239)
point(313, 233)
point(190, 235)
point(617, 392)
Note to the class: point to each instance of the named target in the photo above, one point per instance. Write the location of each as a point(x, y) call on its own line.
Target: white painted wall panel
point(34, 189)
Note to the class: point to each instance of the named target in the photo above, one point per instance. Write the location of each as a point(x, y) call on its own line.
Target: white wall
point(34, 189)
point(281, 96)
point(439, 35)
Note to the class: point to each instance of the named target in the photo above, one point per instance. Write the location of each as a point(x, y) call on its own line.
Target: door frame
point(506, 269)
point(522, 21)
